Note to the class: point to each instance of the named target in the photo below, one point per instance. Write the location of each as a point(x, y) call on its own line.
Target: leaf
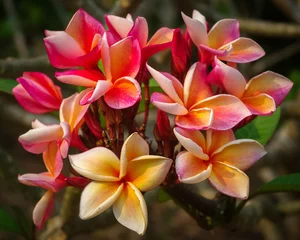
point(6, 85)
point(163, 196)
point(100, 66)
point(260, 129)
point(294, 75)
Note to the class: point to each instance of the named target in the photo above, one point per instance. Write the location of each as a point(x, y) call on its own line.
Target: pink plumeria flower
point(262, 94)
point(78, 45)
point(194, 104)
point(36, 93)
point(119, 183)
point(54, 140)
point(45, 206)
point(121, 28)
point(121, 63)
point(223, 40)
point(219, 157)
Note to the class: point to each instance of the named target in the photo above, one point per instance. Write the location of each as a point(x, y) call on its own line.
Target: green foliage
point(6, 85)
point(163, 196)
point(295, 77)
point(260, 129)
point(100, 66)
point(13, 220)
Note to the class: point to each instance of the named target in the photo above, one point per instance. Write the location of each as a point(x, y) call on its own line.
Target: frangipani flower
point(78, 45)
point(219, 157)
point(194, 103)
point(121, 28)
point(119, 183)
point(121, 63)
point(45, 206)
point(223, 40)
point(54, 140)
point(262, 94)
point(36, 93)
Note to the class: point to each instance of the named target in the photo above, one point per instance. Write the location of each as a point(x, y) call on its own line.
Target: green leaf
point(100, 66)
point(6, 85)
point(260, 129)
point(163, 196)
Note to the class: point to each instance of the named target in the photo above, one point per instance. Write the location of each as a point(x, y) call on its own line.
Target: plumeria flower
point(223, 40)
point(194, 104)
point(36, 93)
point(119, 183)
point(262, 94)
point(45, 206)
point(219, 157)
point(121, 63)
point(54, 140)
point(78, 45)
point(121, 28)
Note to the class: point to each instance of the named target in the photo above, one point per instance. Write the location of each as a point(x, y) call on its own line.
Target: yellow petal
point(97, 197)
point(147, 172)
point(134, 146)
point(130, 209)
point(99, 164)
point(216, 139)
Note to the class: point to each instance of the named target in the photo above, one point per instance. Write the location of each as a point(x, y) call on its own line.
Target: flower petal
point(198, 16)
point(191, 169)
point(229, 180)
point(97, 197)
point(99, 164)
point(223, 32)
point(139, 31)
point(241, 154)
point(118, 25)
point(125, 92)
point(102, 87)
point(134, 146)
point(166, 104)
point(216, 139)
point(261, 104)
point(130, 209)
point(244, 50)
point(273, 84)
point(53, 159)
point(162, 36)
point(147, 172)
point(197, 119)
point(43, 209)
point(228, 110)
point(193, 141)
point(196, 30)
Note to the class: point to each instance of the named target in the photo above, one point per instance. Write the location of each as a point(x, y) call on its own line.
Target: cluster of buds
point(115, 166)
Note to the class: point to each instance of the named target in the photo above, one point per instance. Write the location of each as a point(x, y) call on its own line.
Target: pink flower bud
point(163, 125)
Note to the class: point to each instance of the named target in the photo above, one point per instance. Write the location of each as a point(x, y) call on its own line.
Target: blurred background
point(274, 24)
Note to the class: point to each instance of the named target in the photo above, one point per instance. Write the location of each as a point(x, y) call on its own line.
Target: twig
point(19, 38)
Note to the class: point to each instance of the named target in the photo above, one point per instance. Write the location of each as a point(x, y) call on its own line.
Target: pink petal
point(53, 159)
point(244, 50)
point(124, 93)
point(166, 104)
point(196, 29)
point(273, 84)
point(191, 169)
point(216, 139)
point(193, 141)
point(223, 32)
point(195, 80)
point(139, 31)
point(86, 78)
point(241, 154)
point(130, 209)
point(228, 110)
point(102, 87)
point(43, 209)
point(198, 16)
point(229, 180)
point(162, 36)
point(197, 119)
point(261, 104)
point(78, 182)
point(118, 26)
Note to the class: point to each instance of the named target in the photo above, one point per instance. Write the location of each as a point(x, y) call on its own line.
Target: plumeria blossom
point(219, 157)
point(78, 45)
point(121, 28)
point(194, 104)
point(36, 93)
point(119, 183)
point(45, 206)
point(54, 140)
point(121, 63)
point(262, 94)
point(223, 40)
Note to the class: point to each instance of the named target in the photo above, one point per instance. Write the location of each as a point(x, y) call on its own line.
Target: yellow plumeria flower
point(119, 183)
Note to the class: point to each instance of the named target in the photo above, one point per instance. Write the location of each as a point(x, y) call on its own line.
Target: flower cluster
point(209, 98)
